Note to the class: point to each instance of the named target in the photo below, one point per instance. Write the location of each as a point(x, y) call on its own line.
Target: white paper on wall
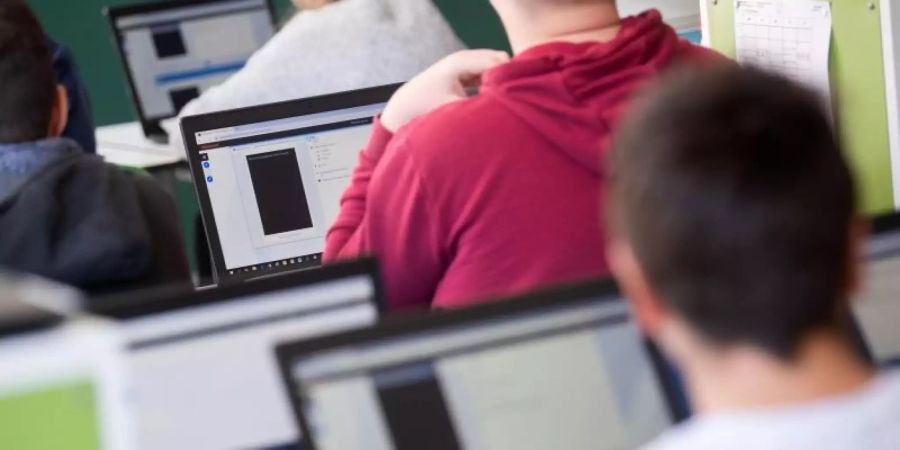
point(790, 37)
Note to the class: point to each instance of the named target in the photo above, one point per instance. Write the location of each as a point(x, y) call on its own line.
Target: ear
point(649, 312)
point(59, 116)
point(859, 235)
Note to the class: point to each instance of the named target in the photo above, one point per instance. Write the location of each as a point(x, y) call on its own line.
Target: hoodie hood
point(588, 83)
point(69, 216)
point(18, 162)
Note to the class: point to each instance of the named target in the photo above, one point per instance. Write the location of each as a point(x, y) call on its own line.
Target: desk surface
point(125, 145)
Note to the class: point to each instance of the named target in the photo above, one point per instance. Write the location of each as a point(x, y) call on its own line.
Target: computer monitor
point(878, 307)
point(202, 364)
point(560, 369)
point(269, 178)
point(172, 51)
point(61, 383)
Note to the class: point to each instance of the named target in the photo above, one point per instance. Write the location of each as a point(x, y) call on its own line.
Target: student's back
point(868, 419)
point(65, 214)
point(71, 217)
point(497, 194)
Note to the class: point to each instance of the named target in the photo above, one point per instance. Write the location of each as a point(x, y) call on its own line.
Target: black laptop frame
point(144, 303)
point(255, 114)
point(552, 299)
point(885, 232)
point(151, 127)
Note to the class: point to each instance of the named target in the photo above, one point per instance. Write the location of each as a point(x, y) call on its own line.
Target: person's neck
point(824, 367)
point(590, 22)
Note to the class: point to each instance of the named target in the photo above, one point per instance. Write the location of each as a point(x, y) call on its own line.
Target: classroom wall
point(80, 25)
point(858, 88)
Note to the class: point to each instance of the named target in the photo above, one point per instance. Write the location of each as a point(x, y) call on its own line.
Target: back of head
point(735, 198)
point(27, 82)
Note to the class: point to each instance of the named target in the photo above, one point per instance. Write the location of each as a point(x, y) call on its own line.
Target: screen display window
point(64, 388)
point(274, 187)
point(176, 54)
point(206, 377)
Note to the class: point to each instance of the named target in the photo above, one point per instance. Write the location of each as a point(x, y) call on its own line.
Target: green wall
point(80, 25)
point(858, 86)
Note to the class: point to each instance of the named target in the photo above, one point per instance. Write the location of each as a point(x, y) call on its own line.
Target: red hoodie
point(501, 193)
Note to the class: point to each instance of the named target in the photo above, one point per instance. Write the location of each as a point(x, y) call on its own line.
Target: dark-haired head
point(734, 209)
point(33, 107)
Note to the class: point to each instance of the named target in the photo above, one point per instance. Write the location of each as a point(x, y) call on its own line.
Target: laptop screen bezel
point(190, 126)
point(151, 126)
point(547, 300)
point(134, 305)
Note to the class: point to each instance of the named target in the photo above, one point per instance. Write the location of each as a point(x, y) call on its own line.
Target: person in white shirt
point(735, 236)
point(334, 46)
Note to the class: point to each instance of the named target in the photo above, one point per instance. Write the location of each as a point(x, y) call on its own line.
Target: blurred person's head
point(311, 4)
point(34, 105)
point(732, 216)
point(533, 22)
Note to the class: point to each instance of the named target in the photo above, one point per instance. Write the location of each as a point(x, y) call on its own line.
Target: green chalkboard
point(80, 25)
point(475, 22)
point(858, 85)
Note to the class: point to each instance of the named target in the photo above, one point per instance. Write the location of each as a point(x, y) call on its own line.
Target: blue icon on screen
point(209, 179)
point(206, 165)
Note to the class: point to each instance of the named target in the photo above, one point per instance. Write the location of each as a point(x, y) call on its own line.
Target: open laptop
point(172, 51)
point(878, 308)
point(269, 178)
point(61, 383)
point(560, 369)
point(202, 364)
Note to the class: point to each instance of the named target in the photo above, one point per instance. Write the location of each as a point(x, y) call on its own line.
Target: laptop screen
point(879, 303)
point(270, 178)
point(174, 52)
point(206, 376)
point(64, 388)
point(574, 376)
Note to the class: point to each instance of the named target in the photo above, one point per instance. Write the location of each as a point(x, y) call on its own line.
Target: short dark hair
point(27, 81)
point(731, 188)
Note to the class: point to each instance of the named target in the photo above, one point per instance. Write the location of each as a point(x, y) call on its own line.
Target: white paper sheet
point(790, 37)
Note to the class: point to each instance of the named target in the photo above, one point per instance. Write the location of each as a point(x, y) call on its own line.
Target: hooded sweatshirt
point(71, 217)
point(502, 193)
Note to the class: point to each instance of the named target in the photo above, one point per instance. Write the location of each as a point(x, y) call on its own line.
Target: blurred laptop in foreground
point(202, 366)
point(559, 369)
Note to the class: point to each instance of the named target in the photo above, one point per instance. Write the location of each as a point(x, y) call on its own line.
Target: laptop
point(269, 178)
point(202, 363)
point(62, 383)
point(559, 369)
point(172, 51)
point(878, 307)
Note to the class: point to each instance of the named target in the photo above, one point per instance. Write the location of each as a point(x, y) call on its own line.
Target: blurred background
point(81, 25)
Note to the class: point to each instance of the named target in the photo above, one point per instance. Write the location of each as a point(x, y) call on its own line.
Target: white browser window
point(275, 187)
point(570, 379)
point(207, 377)
point(177, 54)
